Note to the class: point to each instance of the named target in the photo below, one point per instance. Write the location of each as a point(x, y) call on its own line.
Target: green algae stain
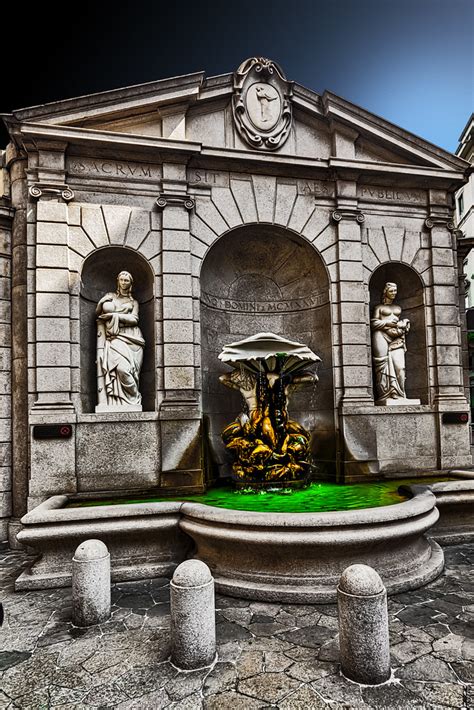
point(319, 497)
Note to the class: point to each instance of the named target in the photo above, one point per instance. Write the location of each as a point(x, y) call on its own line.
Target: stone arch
point(411, 298)
point(98, 276)
point(259, 278)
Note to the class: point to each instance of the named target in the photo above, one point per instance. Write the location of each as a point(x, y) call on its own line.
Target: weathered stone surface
point(271, 687)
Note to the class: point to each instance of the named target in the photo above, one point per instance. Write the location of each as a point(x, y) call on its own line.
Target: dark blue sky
point(410, 61)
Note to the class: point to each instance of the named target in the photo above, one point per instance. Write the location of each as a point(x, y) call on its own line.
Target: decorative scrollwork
point(41, 189)
point(176, 200)
point(439, 220)
point(356, 215)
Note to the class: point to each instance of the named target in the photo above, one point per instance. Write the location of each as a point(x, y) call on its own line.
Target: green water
point(318, 497)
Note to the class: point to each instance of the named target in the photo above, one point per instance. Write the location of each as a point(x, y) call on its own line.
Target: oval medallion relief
point(263, 106)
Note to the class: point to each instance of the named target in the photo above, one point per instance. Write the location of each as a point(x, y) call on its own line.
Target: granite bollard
point(193, 621)
point(91, 583)
point(363, 626)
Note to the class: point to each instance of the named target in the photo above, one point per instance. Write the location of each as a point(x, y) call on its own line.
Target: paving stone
point(304, 698)
point(312, 670)
point(138, 681)
point(467, 650)
point(231, 603)
point(409, 650)
point(11, 658)
point(185, 684)
point(448, 648)
point(266, 629)
point(337, 688)
point(240, 616)
point(270, 687)
point(465, 671)
point(420, 616)
point(222, 677)
point(312, 636)
point(108, 695)
point(36, 700)
point(426, 668)
point(156, 700)
point(276, 662)
point(329, 651)
point(437, 693)
point(250, 663)
point(392, 695)
point(230, 651)
point(231, 699)
point(159, 610)
point(229, 631)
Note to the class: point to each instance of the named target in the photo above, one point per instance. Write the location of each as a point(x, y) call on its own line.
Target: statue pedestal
point(100, 408)
point(398, 402)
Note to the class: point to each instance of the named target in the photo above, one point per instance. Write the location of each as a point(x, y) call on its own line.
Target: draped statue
point(120, 346)
point(388, 349)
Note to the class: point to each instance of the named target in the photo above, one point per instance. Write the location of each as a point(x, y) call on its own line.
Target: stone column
point(6, 221)
point(91, 583)
point(445, 361)
point(352, 355)
point(350, 308)
point(179, 411)
point(17, 163)
point(52, 462)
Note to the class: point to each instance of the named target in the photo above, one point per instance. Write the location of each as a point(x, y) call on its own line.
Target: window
point(461, 204)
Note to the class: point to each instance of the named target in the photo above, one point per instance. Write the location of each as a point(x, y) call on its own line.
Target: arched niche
point(98, 276)
point(261, 278)
point(410, 298)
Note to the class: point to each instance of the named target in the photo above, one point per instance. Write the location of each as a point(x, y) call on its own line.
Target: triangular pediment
point(197, 110)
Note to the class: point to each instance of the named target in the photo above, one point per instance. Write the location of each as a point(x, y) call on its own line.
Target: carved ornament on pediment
point(166, 199)
point(39, 189)
point(261, 103)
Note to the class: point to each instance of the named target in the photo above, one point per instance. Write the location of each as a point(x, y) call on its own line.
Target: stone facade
point(224, 239)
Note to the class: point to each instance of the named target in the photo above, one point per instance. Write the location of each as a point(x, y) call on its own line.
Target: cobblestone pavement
point(269, 655)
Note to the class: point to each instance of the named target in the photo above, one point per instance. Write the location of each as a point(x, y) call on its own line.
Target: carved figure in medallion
point(388, 349)
point(120, 346)
point(262, 103)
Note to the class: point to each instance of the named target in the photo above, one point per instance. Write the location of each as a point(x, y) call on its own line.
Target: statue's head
point(389, 292)
point(124, 283)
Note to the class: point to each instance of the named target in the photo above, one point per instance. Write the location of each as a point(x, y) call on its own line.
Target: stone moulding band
point(38, 190)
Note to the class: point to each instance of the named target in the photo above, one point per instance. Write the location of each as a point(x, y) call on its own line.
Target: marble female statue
point(120, 346)
point(388, 348)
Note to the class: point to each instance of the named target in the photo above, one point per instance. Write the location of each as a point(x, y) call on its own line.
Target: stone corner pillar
point(180, 414)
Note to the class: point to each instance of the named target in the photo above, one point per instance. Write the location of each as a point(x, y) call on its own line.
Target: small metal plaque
point(455, 417)
point(52, 431)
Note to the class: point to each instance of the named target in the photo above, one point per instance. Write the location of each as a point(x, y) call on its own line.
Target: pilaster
point(180, 414)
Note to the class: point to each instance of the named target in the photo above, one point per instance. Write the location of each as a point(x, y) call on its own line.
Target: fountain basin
point(296, 557)
point(299, 557)
point(144, 540)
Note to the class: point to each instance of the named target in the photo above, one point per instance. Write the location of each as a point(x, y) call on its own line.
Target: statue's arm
point(130, 318)
point(107, 297)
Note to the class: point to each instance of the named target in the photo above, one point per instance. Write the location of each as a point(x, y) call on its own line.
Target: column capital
point(349, 214)
point(436, 220)
point(39, 189)
point(167, 199)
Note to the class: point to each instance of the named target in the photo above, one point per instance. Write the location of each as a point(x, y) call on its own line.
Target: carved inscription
point(291, 305)
point(376, 193)
point(318, 188)
point(209, 178)
point(113, 169)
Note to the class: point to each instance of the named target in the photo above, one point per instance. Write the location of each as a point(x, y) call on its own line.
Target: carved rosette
point(262, 103)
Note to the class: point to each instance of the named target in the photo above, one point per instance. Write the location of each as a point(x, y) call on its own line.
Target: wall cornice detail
point(38, 190)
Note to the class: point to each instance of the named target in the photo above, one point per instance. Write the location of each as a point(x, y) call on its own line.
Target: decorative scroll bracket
point(357, 215)
point(39, 189)
point(168, 200)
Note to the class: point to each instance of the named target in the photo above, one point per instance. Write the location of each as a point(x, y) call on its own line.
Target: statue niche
point(389, 333)
point(120, 345)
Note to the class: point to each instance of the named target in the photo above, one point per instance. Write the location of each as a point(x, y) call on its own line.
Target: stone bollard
point(363, 626)
point(193, 619)
point(90, 583)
